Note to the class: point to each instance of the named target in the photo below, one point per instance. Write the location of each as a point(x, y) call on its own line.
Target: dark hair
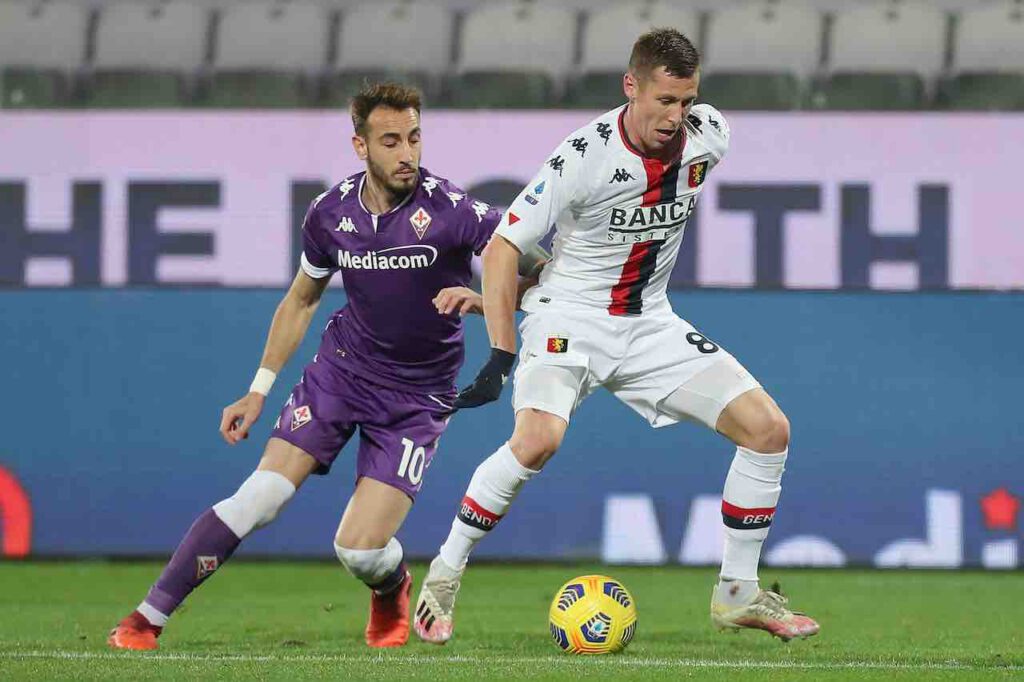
point(390, 95)
point(664, 47)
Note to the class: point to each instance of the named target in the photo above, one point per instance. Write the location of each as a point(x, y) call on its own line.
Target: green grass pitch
point(304, 620)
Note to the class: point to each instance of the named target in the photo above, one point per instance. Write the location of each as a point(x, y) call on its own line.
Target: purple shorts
point(398, 430)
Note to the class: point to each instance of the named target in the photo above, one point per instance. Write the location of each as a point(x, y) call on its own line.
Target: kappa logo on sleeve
point(345, 187)
point(557, 163)
point(480, 209)
point(301, 416)
point(558, 344)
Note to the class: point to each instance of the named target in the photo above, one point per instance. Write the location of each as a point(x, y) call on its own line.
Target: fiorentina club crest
point(301, 416)
point(205, 565)
point(698, 171)
point(420, 220)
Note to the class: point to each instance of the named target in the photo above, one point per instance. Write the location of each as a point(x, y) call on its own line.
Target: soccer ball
point(592, 614)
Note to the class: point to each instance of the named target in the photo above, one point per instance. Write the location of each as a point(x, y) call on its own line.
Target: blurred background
point(860, 249)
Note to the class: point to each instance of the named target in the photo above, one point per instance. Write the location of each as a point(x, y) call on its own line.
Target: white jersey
point(619, 216)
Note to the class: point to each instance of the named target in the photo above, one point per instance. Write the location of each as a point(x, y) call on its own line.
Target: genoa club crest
point(558, 344)
point(698, 171)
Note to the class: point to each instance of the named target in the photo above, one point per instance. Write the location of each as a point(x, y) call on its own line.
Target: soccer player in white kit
point(619, 191)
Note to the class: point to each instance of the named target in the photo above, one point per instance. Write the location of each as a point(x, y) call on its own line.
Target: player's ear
point(359, 144)
point(629, 86)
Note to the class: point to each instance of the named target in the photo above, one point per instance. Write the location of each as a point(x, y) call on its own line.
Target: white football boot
point(433, 620)
point(767, 611)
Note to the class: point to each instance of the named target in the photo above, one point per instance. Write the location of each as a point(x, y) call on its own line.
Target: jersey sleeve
point(315, 261)
point(714, 128)
point(477, 221)
point(555, 188)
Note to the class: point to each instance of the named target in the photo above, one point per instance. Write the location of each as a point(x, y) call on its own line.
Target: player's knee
point(771, 433)
point(536, 439)
point(360, 539)
point(256, 503)
point(370, 565)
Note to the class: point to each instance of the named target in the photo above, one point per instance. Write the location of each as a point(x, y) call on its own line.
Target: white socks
point(152, 615)
point(752, 490)
point(494, 485)
point(372, 566)
point(256, 502)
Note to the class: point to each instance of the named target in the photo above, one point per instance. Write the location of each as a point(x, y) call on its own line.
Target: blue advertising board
point(906, 449)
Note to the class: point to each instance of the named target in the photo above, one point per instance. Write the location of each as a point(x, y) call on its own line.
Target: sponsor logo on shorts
point(698, 171)
point(301, 416)
point(512, 218)
point(421, 220)
point(410, 257)
point(558, 344)
point(205, 565)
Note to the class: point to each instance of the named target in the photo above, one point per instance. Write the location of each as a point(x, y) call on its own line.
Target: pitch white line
point(621, 661)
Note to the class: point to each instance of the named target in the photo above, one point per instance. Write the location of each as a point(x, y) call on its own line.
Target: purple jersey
point(392, 266)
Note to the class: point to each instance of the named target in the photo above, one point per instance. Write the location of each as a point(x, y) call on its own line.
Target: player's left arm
point(477, 222)
point(288, 327)
point(465, 301)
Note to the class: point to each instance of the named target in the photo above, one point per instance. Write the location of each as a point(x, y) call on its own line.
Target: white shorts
point(567, 355)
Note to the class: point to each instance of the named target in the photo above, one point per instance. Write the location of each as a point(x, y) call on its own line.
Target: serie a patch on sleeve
point(558, 344)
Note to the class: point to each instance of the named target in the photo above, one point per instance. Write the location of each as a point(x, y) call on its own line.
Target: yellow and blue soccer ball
point(592, 614)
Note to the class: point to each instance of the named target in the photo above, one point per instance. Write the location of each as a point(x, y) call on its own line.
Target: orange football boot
point(134, 632)
point(389, 616)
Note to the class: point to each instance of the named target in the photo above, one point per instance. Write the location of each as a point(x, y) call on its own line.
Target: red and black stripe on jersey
point(627, 294)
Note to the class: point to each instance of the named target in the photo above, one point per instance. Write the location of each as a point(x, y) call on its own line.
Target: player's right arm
point(554, 189)
point(288, 327)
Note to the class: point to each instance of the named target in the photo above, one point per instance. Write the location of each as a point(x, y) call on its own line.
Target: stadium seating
point(607, 41)
point(42, 44)
point(278, 69)
point(882, 55)
point(146, 53)
point(418, 50)
point(760, 53)
point(988, 59)
point(519, 66)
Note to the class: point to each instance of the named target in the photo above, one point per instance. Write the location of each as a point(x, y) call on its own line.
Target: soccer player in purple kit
point(403, 240)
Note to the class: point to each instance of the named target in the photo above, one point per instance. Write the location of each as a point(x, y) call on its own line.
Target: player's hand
point(458, 299)
point(488, 383)
point(238, 417)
